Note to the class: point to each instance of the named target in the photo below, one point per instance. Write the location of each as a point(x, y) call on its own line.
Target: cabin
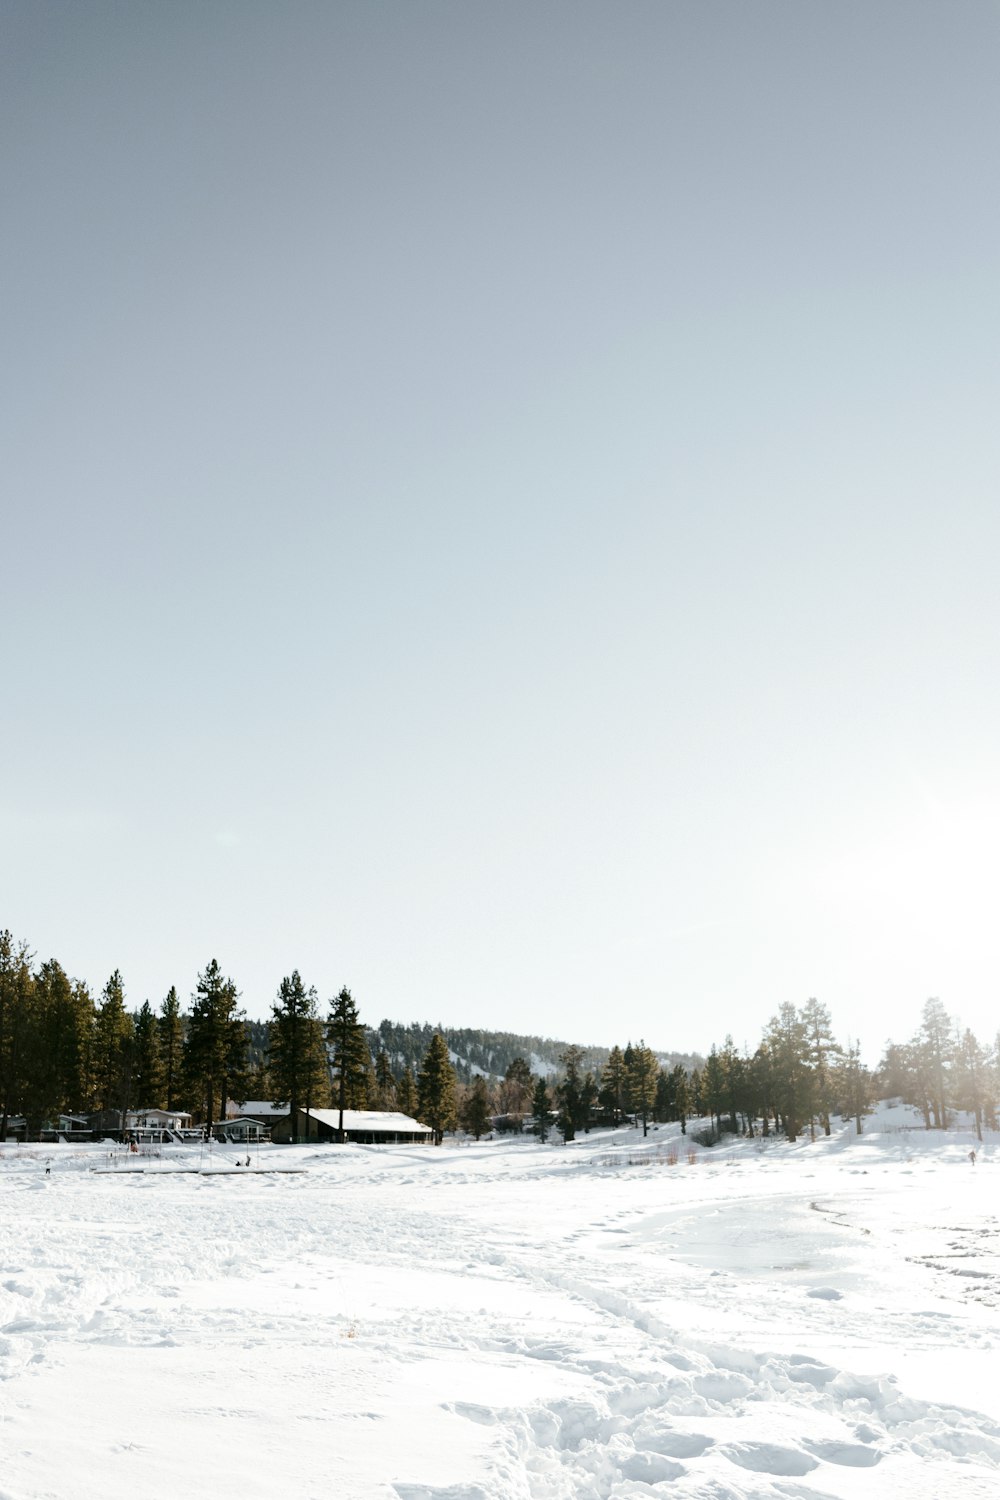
point(159, 1125)
point(372, 1127)
point(261, 1110)
point(67, 1128)
point(240, 1131)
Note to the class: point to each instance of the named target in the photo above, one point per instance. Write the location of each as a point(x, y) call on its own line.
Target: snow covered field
point(505, 1320)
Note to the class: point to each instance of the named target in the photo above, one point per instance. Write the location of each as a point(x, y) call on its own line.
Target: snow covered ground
point(506, 1320)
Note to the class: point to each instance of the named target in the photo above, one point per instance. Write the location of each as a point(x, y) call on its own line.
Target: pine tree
point(713, 1087)
point(75, 1044)
point(385, 1083)
point(681, 1095)
point(350, 1058)
point(569, 1094)
point(854, 1082)
point(540, 1108)
point(436, 1089)
point(475, 1112)
point(113, 1053)
point(514, 1093)
point(588, 1100)
point(215, 1048)
point(971, 1081)
point(38, 1086)
point(642, 1083)
point(821, 1054)
point(935, 1043)
point(170, 1023)
point(15, 999)
point(60, 1021)
point(296, 1066)
point(787, 1044)
point(611, 1094)
point(696, 1093)
point(762, 1083)
point(406, 1093)
point(147, 1076)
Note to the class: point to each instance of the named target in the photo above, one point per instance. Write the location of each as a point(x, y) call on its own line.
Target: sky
point(500, 507)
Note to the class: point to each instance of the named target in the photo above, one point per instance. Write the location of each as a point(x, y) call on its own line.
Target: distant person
point(972, 1156)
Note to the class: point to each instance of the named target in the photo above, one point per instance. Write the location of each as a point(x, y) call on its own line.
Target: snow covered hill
point(508, 1321)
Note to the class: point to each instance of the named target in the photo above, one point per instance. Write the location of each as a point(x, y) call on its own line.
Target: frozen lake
point(505, 1320)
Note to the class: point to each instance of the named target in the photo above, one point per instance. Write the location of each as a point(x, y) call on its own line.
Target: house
point(368, 1126)
point(159, 1125)
point(240, 1131)
point(261, 1110)
point(67, 1128)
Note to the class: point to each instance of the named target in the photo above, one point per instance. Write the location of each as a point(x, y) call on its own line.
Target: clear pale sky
point(500, 507)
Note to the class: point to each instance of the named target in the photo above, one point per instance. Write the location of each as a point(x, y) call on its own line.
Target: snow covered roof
point(388, 1120)
point(132, 1115)
point(260, 1107)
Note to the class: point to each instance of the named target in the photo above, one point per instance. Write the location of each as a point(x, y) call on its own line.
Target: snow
point(505, 1321)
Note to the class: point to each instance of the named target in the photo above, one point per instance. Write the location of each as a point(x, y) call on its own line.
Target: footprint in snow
point(769, 1458)
point(852, 1455)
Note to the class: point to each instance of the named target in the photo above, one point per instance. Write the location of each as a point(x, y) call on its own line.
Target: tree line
point(66, 1052)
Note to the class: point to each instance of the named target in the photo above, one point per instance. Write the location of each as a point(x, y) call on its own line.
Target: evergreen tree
point(540, 1108)
point(628, 1059)
point(147, 1073)
point(514, 1093)
point(935, 1043)
point(113, 1051)
point(436, 1089)
point(971, 1081)
point(588, 1099)
point(170, 1023)
point(569, 1094)
point(406, 1093)
point(55, 1055)
point(350, 1058)
point(317, 1067)
point(215, 1047)
point(663, 1105)
point(259, 1078)
point(296, 1066)
point(385, 1083)
point(612, 1091)
point(918, 1078)
point(821, 1054)
point(713, 1087)
point(762, 1083)
point(15, 1000)
point(787, 1044)
point(854, 1082)
point(642, 1083)
point(38, 1085)
point(475, 1112)
point(681, 1095)
point(75, 1044)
